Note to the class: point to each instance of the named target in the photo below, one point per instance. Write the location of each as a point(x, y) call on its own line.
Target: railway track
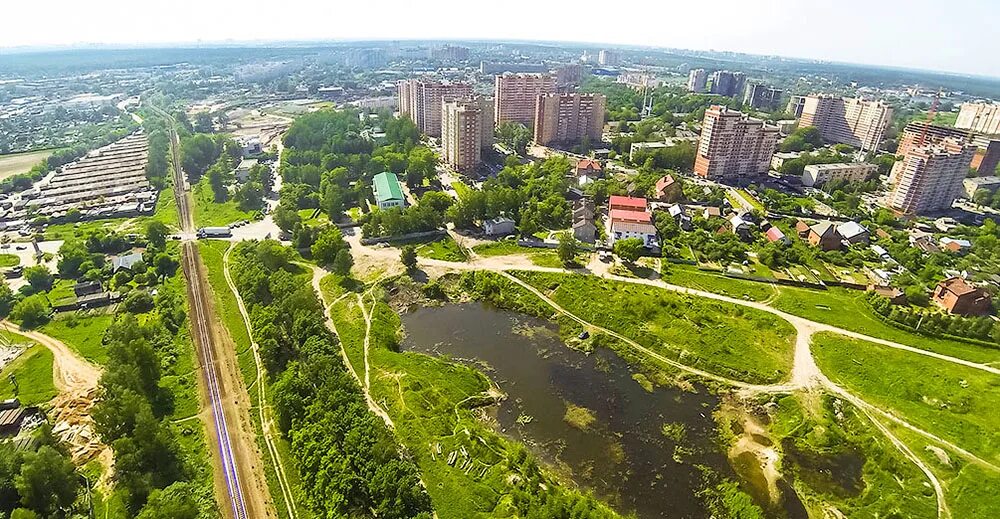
point(200, 320)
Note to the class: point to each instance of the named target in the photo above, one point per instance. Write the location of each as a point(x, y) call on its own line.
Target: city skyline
point(773, 30)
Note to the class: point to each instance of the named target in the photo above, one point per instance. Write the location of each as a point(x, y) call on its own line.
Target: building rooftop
point(387, 187)
point(624, 215)
point(851, 229)
point(127, 261)
point(628, 201)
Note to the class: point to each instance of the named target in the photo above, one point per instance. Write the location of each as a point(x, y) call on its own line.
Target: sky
point(948, 35)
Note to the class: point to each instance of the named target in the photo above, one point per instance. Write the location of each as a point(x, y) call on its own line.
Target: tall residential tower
point(515, 95)
point(852, 121)
point(569, 118)
point(734, 145)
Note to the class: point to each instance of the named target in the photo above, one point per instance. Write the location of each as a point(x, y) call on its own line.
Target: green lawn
point(62, 290)
point(166, 209)
point(753, 201)
point(33, 372)
point(691, 276)
point(445, 249)
point(723, 338)
point(954, 402)
point(82, 332)
point(209, 213)
point(65, 231)
point(9, 260)
point(307, 217)
point(849, 310)
point(502, 248)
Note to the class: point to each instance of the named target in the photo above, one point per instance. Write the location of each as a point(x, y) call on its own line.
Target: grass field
point(166, 209)
point(848, 309)
point(33, 372)
point(954, 402)
point(209, 213)
point(502, 248)
point(445, 249)
point(722, 338)
point(82, 332)
point(9, 260)
point(691, 276)
point(17, 163)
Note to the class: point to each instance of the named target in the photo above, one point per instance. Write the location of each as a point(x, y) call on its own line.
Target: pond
point(583, 414)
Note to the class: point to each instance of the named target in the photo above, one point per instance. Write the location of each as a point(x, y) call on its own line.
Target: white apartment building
point(844, 120)
point(979, 117)
point(819, 174)
point(697, 80)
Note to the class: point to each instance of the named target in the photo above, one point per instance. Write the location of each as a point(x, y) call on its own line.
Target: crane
point(931, 114)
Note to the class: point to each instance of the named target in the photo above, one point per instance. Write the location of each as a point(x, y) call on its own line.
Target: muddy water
point(623, 455)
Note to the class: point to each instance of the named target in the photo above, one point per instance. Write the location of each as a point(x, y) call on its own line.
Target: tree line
point(348, 460)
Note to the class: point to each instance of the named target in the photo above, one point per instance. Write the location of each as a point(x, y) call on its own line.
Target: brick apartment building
point(733, 145)
point(466, 129)
point(930, 177)
point(421, 100)
point(569, 119)
point(515, 96)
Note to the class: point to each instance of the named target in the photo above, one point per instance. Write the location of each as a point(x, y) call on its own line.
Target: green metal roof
point(386, 186)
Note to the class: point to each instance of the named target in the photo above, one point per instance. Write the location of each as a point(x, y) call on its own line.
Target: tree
point(982, 196)
point(138, 302)
point(47, 482)
point(39, 278)
point(24, 513)
point(165, 265)
point(286, 218)
point(203, 122)
point(156, 234)
point(515, 135)
point(328, 244)
point(568, 247)
point(174, 502)
point(628, 249)
point(7, 298)
point(343, 262)
point(409, 257)
point(31, 311)
point(72, 254)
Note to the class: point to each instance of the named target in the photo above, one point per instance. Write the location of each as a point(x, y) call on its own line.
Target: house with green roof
point(388, 192)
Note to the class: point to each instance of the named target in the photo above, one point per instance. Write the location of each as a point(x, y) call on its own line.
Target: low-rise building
point(629, 217)
point(588, 170)
point(668, 189)
point(819, 174)
point(853, 233)
point(774, 234)
point(957, 246)
point(959, 297)
point(781, 157)
point(971, 185)
point(388, 192)
point(126, 261)
point(242, 172)
point(499, 226)
point(824, 235)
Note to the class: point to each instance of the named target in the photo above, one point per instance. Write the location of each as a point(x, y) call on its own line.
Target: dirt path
point(76, 379)
point(263, 409)
point(318, 275)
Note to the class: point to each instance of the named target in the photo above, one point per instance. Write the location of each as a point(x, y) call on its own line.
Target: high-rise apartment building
point(487, 122)
point(421, 100)
point(462, 133)
point(608, 58)
point(979, 117)
point(733, 145)
point(569, 77)
point(697, 80)
point(931, 176)
point(569, 118)
point(515, 96)
point(795, 105)
point(726, 83)
point(762, 97)
point(987, 155)
point(843, 120)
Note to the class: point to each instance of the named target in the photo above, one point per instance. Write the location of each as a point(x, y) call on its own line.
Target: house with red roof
point(668, 190)
point(774, 234)
point(629, 217)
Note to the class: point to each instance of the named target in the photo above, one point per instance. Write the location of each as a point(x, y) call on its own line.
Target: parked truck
point(214, 232)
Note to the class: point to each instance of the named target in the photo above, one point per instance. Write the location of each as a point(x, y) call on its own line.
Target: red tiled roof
point(627, 201)
point(588, 164)
point(664, 183)
point(957, 286)
point(774, 234)
point(624, 215)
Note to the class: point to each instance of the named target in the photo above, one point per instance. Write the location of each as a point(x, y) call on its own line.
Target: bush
point(138, 302)
point(32, 311)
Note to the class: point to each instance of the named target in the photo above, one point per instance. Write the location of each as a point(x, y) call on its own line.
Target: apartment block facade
point(979, 117)
point(930, 177)
point(569, 118)
point(697, 80)
point(515, 96)
point(421, 100)
point(462, 134)
point(819, 174)
point(843, 120)
point(734, 145)
point(608, 58)
point(987, 155)
point(726, 83)
point(762, 97)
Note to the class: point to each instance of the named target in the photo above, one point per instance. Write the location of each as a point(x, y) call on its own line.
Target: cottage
point(585, 230)
point(957, 296)
point(712, 212)
point(126, 262)
point(668, 190)
point(85, 288)
point(824, 235)
point(629, 218)
point(588, 170)
point(740, 227)
point(388, 192)
point(893, 294)
point(499, 226)
point(853, 233)
point(775, 235)
point(954, 245)
point(242, 172)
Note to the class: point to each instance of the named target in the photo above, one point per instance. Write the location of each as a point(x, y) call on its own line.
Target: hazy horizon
point(856, 32)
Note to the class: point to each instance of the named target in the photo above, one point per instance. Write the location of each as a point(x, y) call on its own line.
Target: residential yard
point(307, 217)
point(33, 372)
point(82, 332)
point(502, 248)
point(209, 213)
point(955, 402)
point(723, 338)
point(9, 260)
